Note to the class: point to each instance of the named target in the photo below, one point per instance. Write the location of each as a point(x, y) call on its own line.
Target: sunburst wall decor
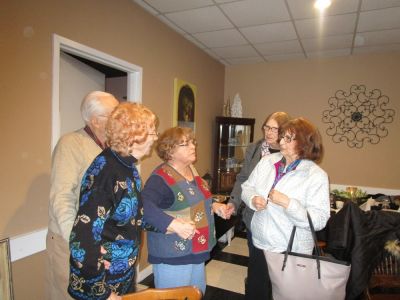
point(358, 116)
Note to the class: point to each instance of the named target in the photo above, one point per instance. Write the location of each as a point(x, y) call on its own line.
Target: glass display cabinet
point(233, 135)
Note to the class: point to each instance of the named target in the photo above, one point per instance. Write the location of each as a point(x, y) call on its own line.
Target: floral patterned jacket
point(105, 237)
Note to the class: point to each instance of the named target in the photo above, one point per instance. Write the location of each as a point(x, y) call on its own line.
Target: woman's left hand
point(279, 198)
point(220, 209)
point(114, 296)
point(186, 229)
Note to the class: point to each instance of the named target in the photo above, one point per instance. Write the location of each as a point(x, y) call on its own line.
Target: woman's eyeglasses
point(153, 133)
point(104, 116)
point(187, 143)
point(272, 129)
point(287, 138)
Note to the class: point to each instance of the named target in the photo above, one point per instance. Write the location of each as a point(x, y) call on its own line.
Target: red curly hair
point(129, 124)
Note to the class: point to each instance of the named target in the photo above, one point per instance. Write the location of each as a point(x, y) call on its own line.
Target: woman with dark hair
point(284, 186)
point(256, 269)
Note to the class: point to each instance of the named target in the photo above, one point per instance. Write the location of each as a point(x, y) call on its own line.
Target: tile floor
point(225, 272)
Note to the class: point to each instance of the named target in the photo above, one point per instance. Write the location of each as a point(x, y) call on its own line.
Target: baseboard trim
point(144, 273)
point(369, 190)
point(28, 244)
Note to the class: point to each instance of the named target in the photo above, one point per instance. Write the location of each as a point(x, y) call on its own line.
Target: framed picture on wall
point(184, 104)
point(6, 289)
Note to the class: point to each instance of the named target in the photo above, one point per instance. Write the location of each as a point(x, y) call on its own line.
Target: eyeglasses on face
point(272, 129)
point(104, 116)
point(153, 133)
point(187, 143)
point(287, 138)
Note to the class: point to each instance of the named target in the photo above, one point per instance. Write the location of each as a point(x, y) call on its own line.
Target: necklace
point(191, 185)
point(186, 173)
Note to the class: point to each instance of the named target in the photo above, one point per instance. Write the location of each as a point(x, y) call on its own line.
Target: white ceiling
point(252, 31)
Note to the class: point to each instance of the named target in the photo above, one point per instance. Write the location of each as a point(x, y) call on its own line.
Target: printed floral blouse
point(105, 238)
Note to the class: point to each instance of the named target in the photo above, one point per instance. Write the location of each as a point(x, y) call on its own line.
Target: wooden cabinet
point(233, 135)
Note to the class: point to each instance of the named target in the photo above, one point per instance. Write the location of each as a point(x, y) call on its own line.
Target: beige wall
point(302, 88)
point(28, 275)
point(119, 28)
point(123, 30)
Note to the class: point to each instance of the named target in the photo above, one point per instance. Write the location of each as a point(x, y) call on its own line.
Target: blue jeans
point(166, 276)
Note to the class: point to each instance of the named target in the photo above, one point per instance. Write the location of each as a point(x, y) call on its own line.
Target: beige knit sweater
point(72, 155)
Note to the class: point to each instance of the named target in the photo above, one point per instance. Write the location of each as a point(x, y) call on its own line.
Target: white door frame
point(134, 78)
point(27, 244)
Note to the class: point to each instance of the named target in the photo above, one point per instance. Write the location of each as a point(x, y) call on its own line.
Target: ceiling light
point(322, 4)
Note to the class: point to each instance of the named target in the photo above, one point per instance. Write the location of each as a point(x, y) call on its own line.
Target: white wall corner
point(28, 244)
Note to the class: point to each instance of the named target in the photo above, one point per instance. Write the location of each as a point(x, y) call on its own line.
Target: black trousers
point(258, 285)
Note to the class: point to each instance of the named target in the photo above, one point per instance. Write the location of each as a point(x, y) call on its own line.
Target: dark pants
point(258, 286)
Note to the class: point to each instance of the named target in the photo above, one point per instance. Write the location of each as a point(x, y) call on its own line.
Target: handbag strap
point(289, 247)
point(314, 235)
point(316, 246)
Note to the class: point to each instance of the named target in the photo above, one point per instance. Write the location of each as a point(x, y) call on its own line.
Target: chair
point(385, 275)
point(177, 293)
point(322, 246)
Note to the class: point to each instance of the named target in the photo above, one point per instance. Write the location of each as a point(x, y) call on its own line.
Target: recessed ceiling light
point(322, 4)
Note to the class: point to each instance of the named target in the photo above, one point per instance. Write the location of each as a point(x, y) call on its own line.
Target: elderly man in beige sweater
point(72, 155)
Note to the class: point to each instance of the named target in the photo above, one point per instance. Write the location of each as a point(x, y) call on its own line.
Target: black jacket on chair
point(359, 237)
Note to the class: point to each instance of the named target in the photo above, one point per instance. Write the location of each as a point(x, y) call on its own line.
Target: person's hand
point(185, 229)
point(114, 296)
point(278, 198)
point(259, 203)
point(220, 209)
point(230, 209)
point(106, 263)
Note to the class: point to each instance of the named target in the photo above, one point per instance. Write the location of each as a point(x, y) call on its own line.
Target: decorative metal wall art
point(358, 116)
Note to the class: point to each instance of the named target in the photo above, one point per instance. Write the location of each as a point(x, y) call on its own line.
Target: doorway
point(63, 46)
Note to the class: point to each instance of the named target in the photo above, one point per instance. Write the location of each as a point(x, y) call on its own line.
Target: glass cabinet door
point(233, 137)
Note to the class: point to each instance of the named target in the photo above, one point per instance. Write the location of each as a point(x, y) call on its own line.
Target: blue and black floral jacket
point(105, 238)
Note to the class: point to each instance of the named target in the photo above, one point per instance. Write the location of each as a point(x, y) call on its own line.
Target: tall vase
point(227, 112)
point(236, 110)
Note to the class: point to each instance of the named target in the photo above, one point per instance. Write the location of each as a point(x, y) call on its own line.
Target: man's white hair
point(93, 105)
